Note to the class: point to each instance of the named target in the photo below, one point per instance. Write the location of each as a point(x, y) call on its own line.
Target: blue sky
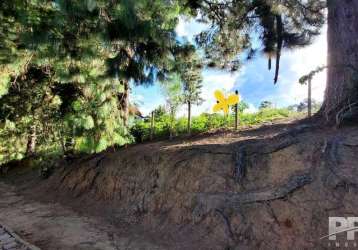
point(253, 81)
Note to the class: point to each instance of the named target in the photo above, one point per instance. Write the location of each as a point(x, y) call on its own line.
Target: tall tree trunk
point(69, 141)
point(31, 141)
point(342, 81)
point(125, 102)
point(189, 117)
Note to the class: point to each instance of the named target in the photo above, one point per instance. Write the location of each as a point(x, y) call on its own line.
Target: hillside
point(259, 188)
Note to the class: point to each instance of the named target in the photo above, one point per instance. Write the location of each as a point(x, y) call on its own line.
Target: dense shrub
point(204, 122)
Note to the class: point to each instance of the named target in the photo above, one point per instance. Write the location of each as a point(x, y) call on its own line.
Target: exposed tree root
point(240, 159)
point(226, 200)
point(227, 223)
point(242, 153)
point(336, 164)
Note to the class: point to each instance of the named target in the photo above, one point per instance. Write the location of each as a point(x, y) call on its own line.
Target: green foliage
point(172, 90)
point(188, 81)
point(280, 24)
point(205, 122)
point(266, 105)
point(189, 66)
point(304, 79)
point(241, 107)
point(64, 65)
point(159, 112)
point(302, 106)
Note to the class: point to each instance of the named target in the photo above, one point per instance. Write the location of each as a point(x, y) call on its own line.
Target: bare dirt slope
point(261, 188)
point(52, 226)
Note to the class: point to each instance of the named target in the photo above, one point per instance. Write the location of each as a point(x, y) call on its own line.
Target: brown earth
point(272, 187)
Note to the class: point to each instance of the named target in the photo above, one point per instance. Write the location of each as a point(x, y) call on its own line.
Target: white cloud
point(251, 109)
point(295, 63)
point(147, 98)
point(302, 61)
point(180, 29)
point(212, 80)
point(215, 80)
point(150, 106)
point(189, 28)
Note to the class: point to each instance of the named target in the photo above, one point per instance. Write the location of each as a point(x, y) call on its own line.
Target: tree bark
point(125, 103)
point(342, 82)
point(189, 118)
point(31, 141)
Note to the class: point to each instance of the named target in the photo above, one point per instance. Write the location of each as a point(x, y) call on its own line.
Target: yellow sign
point(224, 103)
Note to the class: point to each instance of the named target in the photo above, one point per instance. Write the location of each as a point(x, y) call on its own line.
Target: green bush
point(203, 123)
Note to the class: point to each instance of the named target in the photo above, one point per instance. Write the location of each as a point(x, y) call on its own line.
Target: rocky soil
point(272, 187)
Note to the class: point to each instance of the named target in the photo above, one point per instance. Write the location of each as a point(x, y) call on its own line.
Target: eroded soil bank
point(264, 188)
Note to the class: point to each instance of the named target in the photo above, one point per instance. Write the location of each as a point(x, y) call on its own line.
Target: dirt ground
point(53, 226)
point(260, 188)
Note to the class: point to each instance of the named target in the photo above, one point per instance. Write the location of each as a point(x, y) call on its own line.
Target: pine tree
point(341, 96)
point(287, 24)
point(189, 66)
point(89, 52)
point(280, 24)
point(172, 89)
point(307, 79)
point(266, 105)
